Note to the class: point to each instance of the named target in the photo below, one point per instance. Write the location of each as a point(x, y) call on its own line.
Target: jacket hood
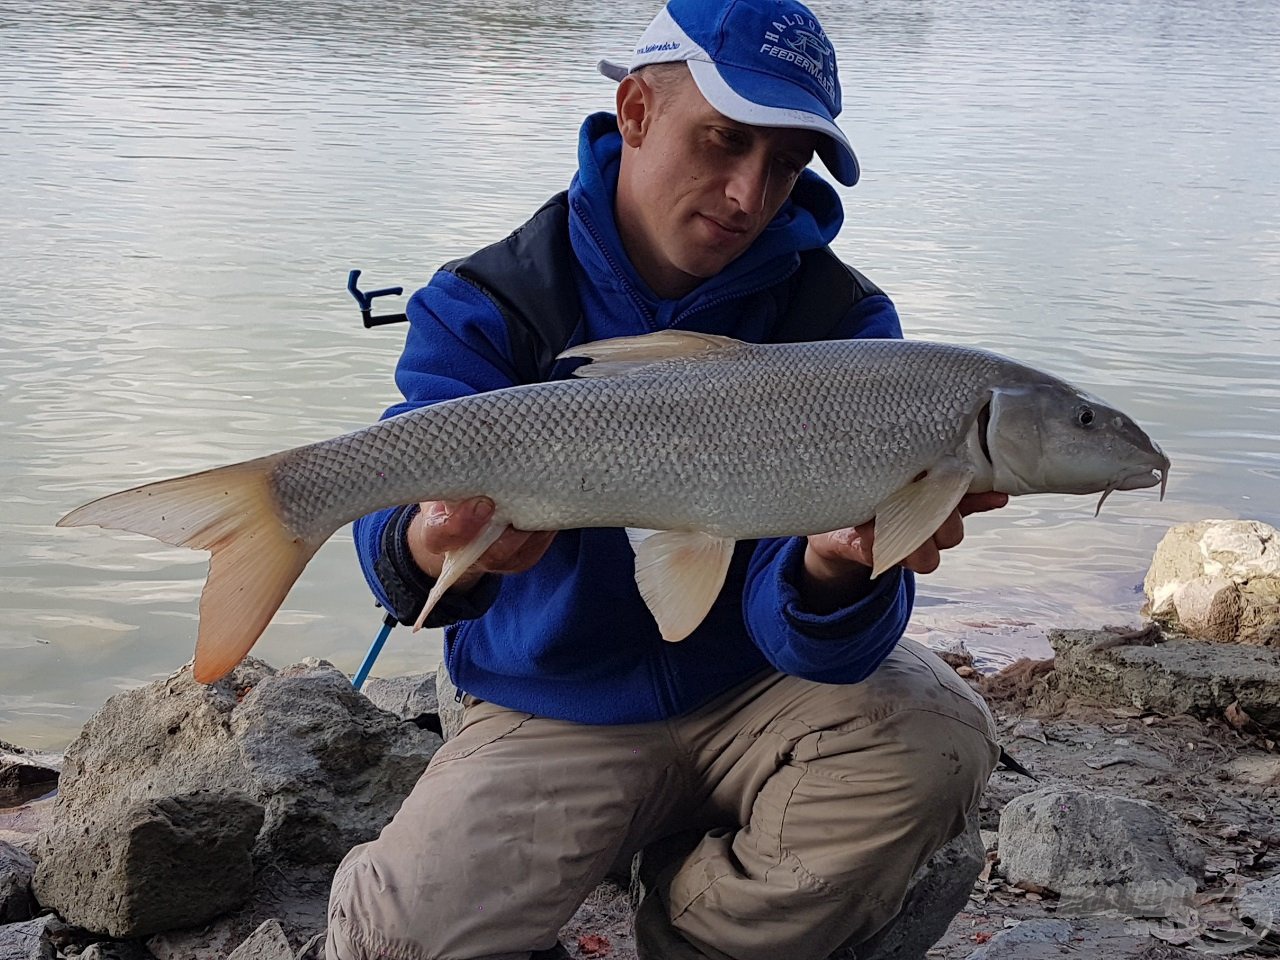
point(810, 218)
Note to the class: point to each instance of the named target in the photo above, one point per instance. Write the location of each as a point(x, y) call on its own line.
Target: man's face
point(696, 188)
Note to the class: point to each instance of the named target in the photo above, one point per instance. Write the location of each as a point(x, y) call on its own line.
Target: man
point(788, 766)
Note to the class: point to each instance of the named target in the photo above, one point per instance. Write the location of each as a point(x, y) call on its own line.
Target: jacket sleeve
point(847, 645)
point(457, 345)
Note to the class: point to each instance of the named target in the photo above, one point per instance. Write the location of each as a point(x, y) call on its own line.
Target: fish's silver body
point(767, 440)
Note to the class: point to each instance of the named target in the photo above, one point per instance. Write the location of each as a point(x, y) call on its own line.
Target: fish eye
point(1084, 416)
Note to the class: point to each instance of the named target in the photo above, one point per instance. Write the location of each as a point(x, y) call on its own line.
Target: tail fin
point(256, 559)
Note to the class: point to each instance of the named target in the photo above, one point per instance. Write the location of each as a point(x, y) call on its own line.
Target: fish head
point(1049, 437)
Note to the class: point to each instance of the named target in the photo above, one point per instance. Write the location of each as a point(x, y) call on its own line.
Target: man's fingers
point(453, 524)
point(950, 533)
point(849, 544)
point(924, 559)
point(981, 502)
point(515, 551)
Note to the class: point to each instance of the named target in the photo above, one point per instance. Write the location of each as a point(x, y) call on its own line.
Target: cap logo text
point(656, 47)
point(800, 40)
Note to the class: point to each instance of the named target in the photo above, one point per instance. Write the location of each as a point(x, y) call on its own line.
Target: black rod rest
point(366, 302)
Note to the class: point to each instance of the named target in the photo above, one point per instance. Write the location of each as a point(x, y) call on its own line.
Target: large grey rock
point(1101, 853)
point(27, 940)
point(1176, 676)
point(163, 861)
point(16, 871)
point(411, 697)
point(268, 942)
point(939, 891)
point(1218, 580)
point(326, 768)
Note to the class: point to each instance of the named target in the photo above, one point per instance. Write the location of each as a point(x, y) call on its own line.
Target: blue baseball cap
point(767, 63)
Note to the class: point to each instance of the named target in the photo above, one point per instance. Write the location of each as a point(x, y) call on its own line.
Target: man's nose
point(748, 184)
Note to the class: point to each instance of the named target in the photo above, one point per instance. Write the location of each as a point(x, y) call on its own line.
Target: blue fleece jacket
point(571, 638)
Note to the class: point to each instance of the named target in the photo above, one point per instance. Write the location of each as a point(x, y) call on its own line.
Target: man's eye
point(729, 137)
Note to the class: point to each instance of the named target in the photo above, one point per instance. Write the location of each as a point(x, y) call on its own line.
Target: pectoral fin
point(910, 516)
point(679, 575)
point(457, 562)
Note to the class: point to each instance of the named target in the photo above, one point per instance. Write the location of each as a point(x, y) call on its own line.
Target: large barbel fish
point(690, 441)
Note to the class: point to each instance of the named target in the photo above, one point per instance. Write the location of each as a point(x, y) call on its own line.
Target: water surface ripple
point(1088, 187)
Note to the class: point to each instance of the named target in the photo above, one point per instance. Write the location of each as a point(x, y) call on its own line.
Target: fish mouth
point(1146, 477)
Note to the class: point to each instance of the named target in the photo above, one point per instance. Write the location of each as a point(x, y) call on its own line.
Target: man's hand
point(442, 526)
point(837, 565)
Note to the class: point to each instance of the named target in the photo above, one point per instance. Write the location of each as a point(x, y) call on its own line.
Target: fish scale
point(682, 442)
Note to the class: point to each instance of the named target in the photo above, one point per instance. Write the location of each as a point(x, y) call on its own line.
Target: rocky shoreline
point(204, 823)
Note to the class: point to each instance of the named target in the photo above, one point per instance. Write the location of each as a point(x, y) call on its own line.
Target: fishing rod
point(365, 300)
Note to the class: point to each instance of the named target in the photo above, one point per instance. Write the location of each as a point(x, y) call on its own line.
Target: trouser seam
point(983, 730)
point(687, 762)
point(860, 723)
point(837, 778)
point(782, 820)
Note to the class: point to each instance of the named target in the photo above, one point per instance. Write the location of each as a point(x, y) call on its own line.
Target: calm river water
point(1093, 188)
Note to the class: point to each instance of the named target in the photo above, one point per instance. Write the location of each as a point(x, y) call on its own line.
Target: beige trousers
point(814, 805)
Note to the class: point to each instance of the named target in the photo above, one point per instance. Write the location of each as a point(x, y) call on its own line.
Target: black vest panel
point(528, 276)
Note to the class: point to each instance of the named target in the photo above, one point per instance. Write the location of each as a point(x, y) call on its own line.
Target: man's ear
point(635, 109)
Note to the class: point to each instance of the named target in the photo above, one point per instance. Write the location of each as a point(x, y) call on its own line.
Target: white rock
point(1218, 580)
point(1243, 550)
point(1208, 608)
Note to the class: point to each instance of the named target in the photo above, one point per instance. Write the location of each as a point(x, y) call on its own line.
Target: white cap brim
point(835, 150)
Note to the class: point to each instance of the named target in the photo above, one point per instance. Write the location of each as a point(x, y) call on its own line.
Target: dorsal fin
point(623, 355)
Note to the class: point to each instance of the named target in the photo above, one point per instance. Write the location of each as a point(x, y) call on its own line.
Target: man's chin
point(707, 264)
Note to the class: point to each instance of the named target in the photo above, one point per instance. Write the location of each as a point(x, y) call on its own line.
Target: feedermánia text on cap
point(808, 50)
